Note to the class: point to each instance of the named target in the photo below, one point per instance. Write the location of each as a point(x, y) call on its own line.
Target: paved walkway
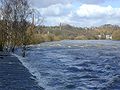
point(14, 76)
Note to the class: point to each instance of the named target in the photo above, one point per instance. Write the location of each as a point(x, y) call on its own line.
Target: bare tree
point(15, 14)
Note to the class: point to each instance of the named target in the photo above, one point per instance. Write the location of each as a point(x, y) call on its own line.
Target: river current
point(76, 64)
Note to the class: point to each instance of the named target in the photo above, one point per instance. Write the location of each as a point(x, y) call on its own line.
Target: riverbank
point(14, 76)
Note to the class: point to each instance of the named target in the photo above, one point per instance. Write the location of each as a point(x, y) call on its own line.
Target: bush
point(48, 37)
point(116, 35)
point(36, 39)
point(58, 38)
point(81, 37)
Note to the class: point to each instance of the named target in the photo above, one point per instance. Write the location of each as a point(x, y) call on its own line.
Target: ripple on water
point(73, 69)
point(70, 86)
point(55, 81)
point(113, 83)
point(86, 63)
point(77, 68)
point(84, 70)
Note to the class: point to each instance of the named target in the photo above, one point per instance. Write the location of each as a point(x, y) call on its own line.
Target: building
point(109, 37)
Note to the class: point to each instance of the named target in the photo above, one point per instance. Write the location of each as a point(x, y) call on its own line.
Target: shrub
point(57, 38)
point(116, 35)
point(48, 37)
point(81, 37)
point(36, 39)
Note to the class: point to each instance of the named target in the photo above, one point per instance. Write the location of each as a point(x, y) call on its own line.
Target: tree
point(15, 14)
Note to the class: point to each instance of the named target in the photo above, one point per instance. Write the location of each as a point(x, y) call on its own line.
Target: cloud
point(93, 11)
point(78, 12)
point(55, 10)
point(91, 1)
point(46, 3)
point(92, 15)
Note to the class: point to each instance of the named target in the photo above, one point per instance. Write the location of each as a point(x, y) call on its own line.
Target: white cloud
point(96, 11)
point(92, 15)
point(77, 13)
point(46, 3)
point(55, 10)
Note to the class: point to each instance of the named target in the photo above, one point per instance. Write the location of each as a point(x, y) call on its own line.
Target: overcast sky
point(79, 12)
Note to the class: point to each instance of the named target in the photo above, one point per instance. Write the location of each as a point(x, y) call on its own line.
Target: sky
point(81, 13)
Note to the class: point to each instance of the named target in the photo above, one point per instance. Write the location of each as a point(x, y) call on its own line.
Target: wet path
point(14, 76)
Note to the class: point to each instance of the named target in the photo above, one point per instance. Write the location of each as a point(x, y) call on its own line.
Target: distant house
point(109, 37)
point(100, 37)
point(48, 32)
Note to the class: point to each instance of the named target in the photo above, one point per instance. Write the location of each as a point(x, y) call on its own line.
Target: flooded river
point(75, 64)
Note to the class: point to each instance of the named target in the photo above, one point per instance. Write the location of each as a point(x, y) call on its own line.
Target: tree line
point(68, 32)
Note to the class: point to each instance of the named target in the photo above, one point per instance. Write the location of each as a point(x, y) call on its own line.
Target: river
point(76, 64)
